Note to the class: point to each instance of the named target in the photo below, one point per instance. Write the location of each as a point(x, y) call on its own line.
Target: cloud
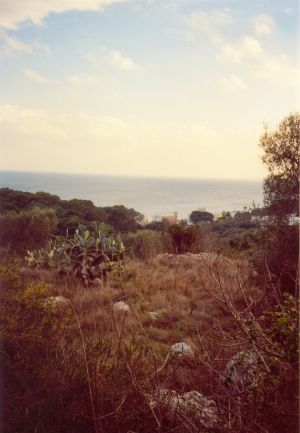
point(245, 48)
point(35, 76)
point(259, 64)
point(55, 141)
point(263, 25)
point(17, 11)
point(12, 45)
point(29, 124)
point(233, 82)
point(122, 62)
point(207, 23)
point(277, 70)
point(81, 80)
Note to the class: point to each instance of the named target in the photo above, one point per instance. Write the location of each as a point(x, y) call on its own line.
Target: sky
point(166, 88)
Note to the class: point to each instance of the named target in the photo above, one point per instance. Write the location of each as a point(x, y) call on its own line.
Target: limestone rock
point(153, 315)
point(241, 369)
point(192, 405)
point(121, 306)
point(57, 300)
point(182, 350)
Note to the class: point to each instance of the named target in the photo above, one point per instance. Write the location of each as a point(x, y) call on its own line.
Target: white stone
point(182, 350)
point(241, 369)
point(192, 405)
point(57, 300)
point(153, 315)
point(98, 282)
point(121, 306)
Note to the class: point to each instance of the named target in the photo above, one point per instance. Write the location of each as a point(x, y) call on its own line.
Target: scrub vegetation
point(111, 326)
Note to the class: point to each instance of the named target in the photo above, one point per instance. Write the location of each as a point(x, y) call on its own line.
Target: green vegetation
point(199, 216)
point(281, 156)
point(146, 244)
point(279, 236)
point(70, 213)
point(89, 254)
point(26, 229)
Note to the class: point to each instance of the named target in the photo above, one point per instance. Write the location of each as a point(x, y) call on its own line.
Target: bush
point(37, 383)
point(146, 244)
point(185, 238)
point(276, 256)
point(29, 229)
point(54, 378)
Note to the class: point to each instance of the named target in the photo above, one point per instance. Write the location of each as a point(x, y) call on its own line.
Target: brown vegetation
point(100, 369)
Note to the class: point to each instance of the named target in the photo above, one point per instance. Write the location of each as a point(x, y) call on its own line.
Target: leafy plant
point(90, 254)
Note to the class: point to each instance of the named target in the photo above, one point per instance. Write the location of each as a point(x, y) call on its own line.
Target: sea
point(153, 197)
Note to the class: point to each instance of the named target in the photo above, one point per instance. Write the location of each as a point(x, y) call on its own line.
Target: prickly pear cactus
point(90, 254)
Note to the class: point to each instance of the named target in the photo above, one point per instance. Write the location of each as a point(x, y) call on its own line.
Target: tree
point(281, 155)
point(122, 219)
point(185, 238)
point(201, 216)
point(278, 237)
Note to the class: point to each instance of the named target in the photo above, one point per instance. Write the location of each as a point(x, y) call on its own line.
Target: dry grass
point(203, 300)
point(185, 291)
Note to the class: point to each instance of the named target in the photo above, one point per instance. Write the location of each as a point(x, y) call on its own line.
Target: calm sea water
point(150, 196)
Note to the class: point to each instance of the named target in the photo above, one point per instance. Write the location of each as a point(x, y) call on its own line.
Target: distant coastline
point(150, 196)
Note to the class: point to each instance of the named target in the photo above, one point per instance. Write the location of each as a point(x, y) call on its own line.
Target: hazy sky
point(177, 88)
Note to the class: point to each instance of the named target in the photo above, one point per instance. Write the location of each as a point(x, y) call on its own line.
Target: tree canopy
point(201, 216)
point(279, 237)
point(281, 156)
point(70, 213)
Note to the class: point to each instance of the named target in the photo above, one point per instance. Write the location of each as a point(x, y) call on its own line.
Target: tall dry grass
point(112, 363)
point(186, 293)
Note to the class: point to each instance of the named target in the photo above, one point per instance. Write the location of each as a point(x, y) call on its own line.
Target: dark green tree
point(279, 236)
point(281, 156)
point(198, 216)
point(185, 238)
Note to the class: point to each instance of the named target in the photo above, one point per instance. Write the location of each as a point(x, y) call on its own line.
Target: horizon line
point(153, 177)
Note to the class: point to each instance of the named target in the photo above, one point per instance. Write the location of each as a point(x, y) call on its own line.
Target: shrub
point(54, 378)
point(37, 383)
point(27, 229)
point(146, 244)
point(90, 254)
point(185, 238)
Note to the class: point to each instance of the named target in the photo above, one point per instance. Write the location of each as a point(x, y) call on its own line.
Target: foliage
point(122, 219)
point(158, 226)
point(70, 213)
point(32, 359)
point(185, 238)
point(275, 334)
point(27, 229)
point(281, 156)
point(146, 244)
point(281, 327)
point(279, 246)
point(45, 385)
point(201, 216)
point(90, 254)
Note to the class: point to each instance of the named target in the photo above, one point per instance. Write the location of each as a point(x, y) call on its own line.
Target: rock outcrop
point(182, 350)
point(241, 369)
point(192, 406)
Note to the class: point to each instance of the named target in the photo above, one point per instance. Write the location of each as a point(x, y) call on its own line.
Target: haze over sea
point(150, 196)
